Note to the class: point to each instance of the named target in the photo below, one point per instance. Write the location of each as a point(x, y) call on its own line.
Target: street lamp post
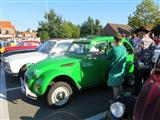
point(47, 9)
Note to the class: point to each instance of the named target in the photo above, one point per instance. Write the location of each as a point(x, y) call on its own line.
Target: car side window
point(98, 49)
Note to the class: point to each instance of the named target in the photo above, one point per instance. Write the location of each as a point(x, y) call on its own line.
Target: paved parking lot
point(88, 104)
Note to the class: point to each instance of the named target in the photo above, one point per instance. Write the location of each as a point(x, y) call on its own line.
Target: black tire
point(58, 91)
point(22, 72)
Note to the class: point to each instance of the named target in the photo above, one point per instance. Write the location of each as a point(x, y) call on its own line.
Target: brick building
point(7, 30)
point(111, 29)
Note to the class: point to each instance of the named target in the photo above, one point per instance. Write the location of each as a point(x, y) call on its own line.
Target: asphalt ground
point(87, 104)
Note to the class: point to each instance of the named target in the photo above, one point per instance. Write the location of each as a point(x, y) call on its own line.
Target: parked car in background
point(11, 43)
point(145, 107)
point(14, 63)
point(83, 65)
point(23, 45)
point(9, 53)
point(2, 46)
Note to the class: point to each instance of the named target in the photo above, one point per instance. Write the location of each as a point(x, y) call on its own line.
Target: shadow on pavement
point(60, 115)
point(84, 104)
point(12, 81)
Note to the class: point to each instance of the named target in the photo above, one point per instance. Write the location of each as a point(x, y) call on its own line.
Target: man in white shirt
point(141, 73)
point(143, 33)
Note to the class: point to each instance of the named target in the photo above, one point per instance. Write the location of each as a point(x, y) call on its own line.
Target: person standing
point(134, 40)
point(117, 62)
point(141, 73)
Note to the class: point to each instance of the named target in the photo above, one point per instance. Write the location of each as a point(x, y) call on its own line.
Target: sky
point(26, 14)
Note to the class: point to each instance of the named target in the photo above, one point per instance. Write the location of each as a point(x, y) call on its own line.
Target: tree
point(70, 30)
point(147, 13)
point(98, 27)
point(56, 27)
point(90, 27)
point(43, 35)
point(52, 24)
point(76, 31)
point(29, 30)
point(87, 27)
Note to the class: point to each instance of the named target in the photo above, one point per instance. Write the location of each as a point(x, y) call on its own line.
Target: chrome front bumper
point(26, 90)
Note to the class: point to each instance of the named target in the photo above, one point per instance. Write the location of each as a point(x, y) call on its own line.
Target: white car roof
point(62, 40)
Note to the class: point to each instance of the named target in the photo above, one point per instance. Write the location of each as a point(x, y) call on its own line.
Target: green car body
point(79, 70)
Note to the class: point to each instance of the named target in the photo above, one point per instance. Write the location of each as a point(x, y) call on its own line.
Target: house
point(111, 29)
point(29, 34)
point(7, 30)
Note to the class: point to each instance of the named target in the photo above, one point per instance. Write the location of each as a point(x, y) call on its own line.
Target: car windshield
point(61, 47)
point(77, 49)
point(47, 47)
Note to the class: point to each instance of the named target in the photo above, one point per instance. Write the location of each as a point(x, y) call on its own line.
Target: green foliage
point(76, 31)
point(91, 27)
point(147, 13)
point(70, 30)
point(43, 35)
point(58, 28)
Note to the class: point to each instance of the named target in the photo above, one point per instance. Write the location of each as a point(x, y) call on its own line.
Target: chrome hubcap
point(60, 96)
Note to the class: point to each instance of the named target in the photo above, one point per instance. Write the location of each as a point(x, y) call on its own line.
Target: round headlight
point(117, 109)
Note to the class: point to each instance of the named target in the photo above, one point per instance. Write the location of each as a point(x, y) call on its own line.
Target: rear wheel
point(59, 94)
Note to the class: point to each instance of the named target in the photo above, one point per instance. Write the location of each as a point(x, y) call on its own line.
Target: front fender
point(48, 76)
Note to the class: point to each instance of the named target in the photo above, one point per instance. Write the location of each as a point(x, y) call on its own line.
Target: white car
point(14, 63)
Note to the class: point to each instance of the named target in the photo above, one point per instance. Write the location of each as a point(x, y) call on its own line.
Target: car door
point(130, 59)
point(94, 65)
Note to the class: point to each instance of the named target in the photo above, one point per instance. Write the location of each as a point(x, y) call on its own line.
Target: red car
point(148, 103)
point(145, 107)
point(23, 45)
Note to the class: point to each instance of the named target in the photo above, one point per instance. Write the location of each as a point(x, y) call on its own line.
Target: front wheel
point(59, 94)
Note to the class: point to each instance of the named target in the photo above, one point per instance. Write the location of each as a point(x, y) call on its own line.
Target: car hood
point(25, 56)
point(51, 63)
